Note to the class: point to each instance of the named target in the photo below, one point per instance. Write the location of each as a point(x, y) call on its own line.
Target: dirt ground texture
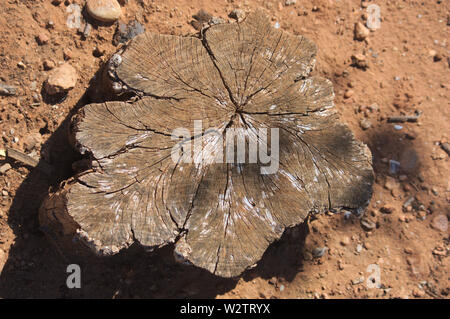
point(405, 72)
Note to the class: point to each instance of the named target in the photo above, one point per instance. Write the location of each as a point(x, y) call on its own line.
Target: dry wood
point(403, 118)
point(21, 157)
point(221, 216)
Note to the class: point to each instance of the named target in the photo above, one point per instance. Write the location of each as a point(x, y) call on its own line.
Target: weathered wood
point(403, 118)
point(221, 216)
point(29, 161)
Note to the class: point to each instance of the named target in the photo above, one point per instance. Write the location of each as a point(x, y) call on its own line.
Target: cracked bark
point(221, 216)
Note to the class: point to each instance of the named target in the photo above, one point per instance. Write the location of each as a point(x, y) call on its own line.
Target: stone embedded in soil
point(418, 293)
point(61, 79)
point(104, 10)
point(49, 65)
point(365, 124)
point(360, 61)
point(202, 18)
point(345, 241)
point(387, 209)
point(361, 32)
point(319, 252)
point(348, 94)
point(74, 18)
point(42, 39)
point(440, 222)
point(437, 57)
point(31, 141)
point(237, 14)
point(67, 54)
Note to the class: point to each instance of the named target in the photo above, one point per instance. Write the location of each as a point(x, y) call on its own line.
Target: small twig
point(21, 157)
point(403, 119)
point(28, 160)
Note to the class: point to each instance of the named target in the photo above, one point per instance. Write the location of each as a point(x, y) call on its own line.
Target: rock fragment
point(237, 14)
point(61, 79)
point(74, 19)
point(319, 252)
point(387, 209)
point(348, 94)
point(361, 32)
point(48, 65)
point(360, 61)
point(365, 124)
point(367, 224)
point(125, 32)
point(440, 222)
point(42, 39)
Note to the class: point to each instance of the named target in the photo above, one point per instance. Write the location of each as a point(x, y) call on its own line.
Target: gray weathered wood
point(221, 216)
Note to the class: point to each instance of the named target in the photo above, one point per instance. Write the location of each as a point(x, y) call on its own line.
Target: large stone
point(61, 79)
point(104, 10)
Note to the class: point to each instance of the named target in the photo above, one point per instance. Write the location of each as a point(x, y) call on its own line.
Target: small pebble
point(125, 32)
point(237, 14)
point(61, 79)
point(50, 24)
point(348, 94)
point(394, 166)
point(361, 32)
point(387, 209)
point(360, 61)
point(345, 241)
point(358, 281)
point(42, 39)
point(48, 65)
point(367, 224)
point(319, 252)
point(440, 222)
point(67, 54)
point(104, 10)
point(365, 124)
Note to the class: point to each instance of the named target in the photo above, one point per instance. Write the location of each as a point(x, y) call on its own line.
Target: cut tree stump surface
point(221, 216)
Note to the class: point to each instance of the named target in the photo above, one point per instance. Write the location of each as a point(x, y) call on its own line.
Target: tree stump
point(221, 216)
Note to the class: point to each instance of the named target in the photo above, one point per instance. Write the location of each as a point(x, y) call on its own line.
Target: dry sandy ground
point(408, 71)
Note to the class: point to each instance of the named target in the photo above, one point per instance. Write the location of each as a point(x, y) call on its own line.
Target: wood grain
point(221, 216)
